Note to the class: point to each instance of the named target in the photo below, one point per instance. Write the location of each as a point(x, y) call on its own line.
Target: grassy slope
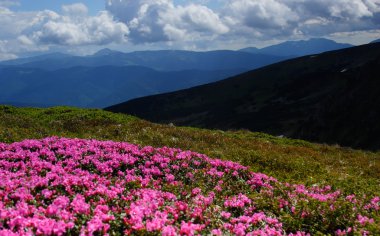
point(288, 160)
point(330, 97)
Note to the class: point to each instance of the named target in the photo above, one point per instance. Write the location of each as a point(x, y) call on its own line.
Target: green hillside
point(294, 161)
point(331, 97)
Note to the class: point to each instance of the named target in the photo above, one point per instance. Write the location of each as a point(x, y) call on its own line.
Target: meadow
point(229, 181)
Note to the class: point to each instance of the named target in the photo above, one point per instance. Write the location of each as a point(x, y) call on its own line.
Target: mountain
point(246, 58)
point(95, 86)
point(300, 48)
point(26, 104)
point(27, 60)
point(109, 77)
point(332, 97)
point(105, 52)
point(376, 41)
point(166, 60)
point(250, 50)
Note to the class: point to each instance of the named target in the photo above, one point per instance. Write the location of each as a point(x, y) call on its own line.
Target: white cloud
point(8, 3)
point(355, 37)
point(197, 24)
point(347, 9)
point(266, 14)
point(12, 23)
point(76, 9)
point(84, 30)
point(162, 20)
point(37, 31)
point(275, 18)
point(4, 54)
point(75, 27)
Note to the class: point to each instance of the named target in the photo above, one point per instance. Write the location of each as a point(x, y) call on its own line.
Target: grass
point(294, 161)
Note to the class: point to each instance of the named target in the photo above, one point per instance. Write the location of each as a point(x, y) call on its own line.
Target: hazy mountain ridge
point(95, 86)
point(250, 58)
point(331, 97)
point(165, 60)
point(299, 48)
point(89, 81)
point(98, 80)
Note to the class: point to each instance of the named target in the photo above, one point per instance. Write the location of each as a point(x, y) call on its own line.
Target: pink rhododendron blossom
point(61, 186)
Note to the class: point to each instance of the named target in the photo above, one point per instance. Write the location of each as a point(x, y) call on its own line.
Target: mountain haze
point(95, 86)
point(331, 97)
point(247, 58)
point(109, 77)
point(299, 48)
point(165, 60)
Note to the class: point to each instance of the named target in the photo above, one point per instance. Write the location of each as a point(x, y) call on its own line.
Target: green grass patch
point(294, 161)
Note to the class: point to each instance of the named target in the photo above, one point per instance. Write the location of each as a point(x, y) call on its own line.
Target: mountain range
point(170, 60)
point(95, 87)
point(299, 48)
point(109, 77)
point(332, 97)
point(164, 60)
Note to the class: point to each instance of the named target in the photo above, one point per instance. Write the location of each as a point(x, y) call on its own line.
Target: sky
point(81, 27)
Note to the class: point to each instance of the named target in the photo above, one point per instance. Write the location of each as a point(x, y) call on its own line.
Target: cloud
point(354, 37)
point(63, 30)
point(275, 18)
point(4, 54)
point(22, 31)
point(8, 3)
point(268, 14)
point(162, 20)
point(198, 24)
point(12, 23)
point(76, 9)
point(75, 27)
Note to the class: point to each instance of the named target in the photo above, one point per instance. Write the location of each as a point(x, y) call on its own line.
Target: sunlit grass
point(288, 160)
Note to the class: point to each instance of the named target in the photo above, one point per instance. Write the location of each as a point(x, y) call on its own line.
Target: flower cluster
point(60, 186)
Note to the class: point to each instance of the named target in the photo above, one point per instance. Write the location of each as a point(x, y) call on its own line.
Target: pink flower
point(363, 220)
point(189, 228)
point(169, 177)
point(196, 191)
point(47, 193)
point(190, 175)
point(52, 185)
point(169, 231)
point(225, 214)
point(238, 201)
point(79, 205)
point(216, 232)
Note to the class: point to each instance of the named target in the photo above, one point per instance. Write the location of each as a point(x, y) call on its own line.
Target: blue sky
point(85, 26)
point(94, 6)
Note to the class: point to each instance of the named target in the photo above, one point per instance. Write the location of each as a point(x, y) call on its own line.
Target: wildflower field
point(60, 186)
point(144, 182)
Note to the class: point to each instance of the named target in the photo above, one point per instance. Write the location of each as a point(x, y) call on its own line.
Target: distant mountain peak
point(320, 40)
point(105, 52)
point(250, 50)
point(376, 41)
point(300, 47)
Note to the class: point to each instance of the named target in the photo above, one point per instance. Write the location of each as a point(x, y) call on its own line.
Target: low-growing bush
point(60, 186)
